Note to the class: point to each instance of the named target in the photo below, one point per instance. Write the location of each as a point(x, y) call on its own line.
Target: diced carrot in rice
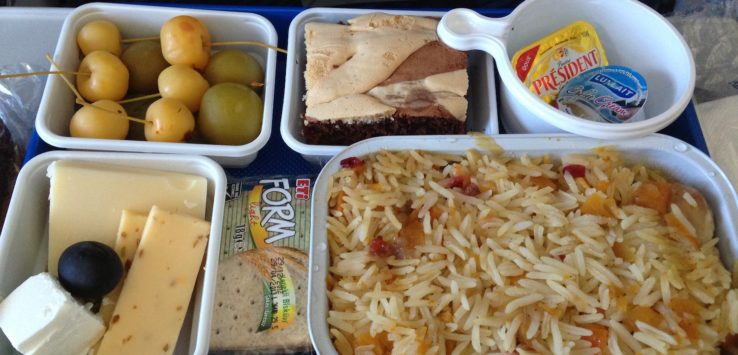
point(656, 196)
point(599, 337)
point(542, 181)
point(599, 205)
point(682, 306)
point(681, 230)
point(644, 314)
point(602, 186)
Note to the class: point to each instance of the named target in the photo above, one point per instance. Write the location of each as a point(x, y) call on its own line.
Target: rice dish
point(489, 253)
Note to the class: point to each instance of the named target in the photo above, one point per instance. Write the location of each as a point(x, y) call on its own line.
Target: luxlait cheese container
point(137, 21)
point(100, 182)
point(675, 159)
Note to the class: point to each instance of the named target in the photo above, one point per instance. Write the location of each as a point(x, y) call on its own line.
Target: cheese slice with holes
point(86, 200)
point(157, 290)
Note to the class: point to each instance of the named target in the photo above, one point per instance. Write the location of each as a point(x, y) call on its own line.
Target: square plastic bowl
point(57, 104)
point(481, 115)
point(24, 239)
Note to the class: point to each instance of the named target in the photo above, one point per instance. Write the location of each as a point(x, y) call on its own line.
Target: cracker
point(239, 303)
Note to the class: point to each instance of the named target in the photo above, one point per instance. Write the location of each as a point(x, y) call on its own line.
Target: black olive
point(89, 269)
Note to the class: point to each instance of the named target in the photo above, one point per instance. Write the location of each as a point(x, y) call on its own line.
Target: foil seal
point(613, 94)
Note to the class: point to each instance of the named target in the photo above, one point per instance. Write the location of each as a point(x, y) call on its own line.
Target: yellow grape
point(181, 82)
point(185, 40)
point(99, 35)
point(106, 120)
point(107, 79)
point(168, 120)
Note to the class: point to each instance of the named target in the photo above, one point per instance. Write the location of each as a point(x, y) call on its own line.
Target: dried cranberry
point(575, 170)
point(455, 181)
point(380, 247)
point(471, 190)
point(352, 163)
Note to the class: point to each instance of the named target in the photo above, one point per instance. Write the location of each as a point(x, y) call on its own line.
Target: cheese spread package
point(261, 291)
point(547, 64)
point(613, 94)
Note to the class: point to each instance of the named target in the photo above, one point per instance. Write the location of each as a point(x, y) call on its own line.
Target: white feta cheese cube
point(40, 317)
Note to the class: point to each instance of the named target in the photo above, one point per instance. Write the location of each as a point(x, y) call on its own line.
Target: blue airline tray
point(276, 158)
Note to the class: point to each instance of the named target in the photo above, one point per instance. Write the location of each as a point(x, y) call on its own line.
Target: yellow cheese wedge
point(155, 295)
point(86, 200)
point(129, 235)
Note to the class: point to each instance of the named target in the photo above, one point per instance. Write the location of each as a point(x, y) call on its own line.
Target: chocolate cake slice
point(378, 75)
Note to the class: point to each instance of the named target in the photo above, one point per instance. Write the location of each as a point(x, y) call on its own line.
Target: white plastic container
point(57, 103)
point(482, 114)
point(24, 238)
point(679, 160)
point(632, 35)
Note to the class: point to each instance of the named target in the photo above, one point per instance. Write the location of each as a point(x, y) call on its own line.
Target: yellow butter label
point(549, 63)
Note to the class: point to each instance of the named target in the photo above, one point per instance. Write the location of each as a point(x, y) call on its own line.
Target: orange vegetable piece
point(693, 334)
point(644, 314)
point(435, 212)
point(597, 204)
point(602, 186)
point(681, 229)
point(381, 343)
point(656, 196)
point(599, 336)
point(682, 306)
point(542, 181)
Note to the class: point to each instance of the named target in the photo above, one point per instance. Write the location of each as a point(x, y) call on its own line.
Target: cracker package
point(549, 63)
point(261, 292)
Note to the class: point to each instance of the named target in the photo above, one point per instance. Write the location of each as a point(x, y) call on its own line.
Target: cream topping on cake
point(359, 107)
point(345, 60)
point(445, 89)
point(380, 65)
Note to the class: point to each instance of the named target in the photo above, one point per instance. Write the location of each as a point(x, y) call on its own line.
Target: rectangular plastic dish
point(24, 239)
point(57, 103)
point(482, 114)
point(681, 161)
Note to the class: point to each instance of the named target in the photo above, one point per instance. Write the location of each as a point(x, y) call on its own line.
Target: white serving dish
point(57, 103)
point(24, 238)
point(631, 33)
point(681, 161)
point(482, 114)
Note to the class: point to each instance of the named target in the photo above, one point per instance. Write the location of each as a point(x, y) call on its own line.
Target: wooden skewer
point(51, 72)
point(80, 100)
point(134, 119)
point(140, 98)
point(140, 39)
point(248, 43)
point(74, 89)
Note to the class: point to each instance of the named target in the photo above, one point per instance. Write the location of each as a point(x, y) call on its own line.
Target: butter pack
point(547, 64)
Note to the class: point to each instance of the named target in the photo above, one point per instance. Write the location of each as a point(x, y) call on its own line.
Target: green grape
point(230, 114)
point(233, 66)
point(144, 62)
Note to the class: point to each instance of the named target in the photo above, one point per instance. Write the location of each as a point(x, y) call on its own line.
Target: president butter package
point(547, 64)
point(261, 291)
